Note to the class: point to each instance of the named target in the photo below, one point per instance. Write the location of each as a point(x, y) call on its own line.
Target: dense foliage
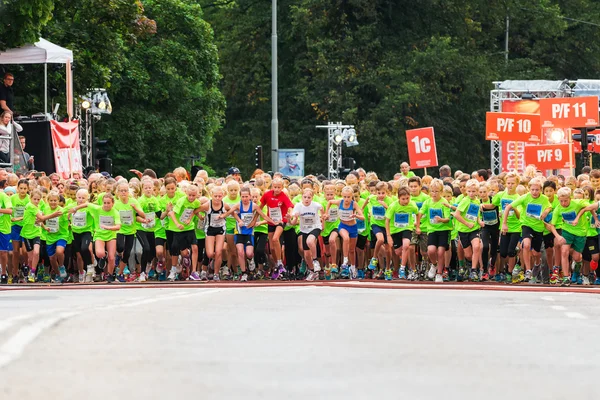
point(383, 65)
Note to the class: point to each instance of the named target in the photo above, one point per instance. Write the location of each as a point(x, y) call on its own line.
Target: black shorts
point(29, 243)
point(160, 242)
point(399, 237)
point(246, 240)
point(183, 240)
point(549, 241)
point(361, 242)
point(215, 231)
point(169, 239)
point(467, 237)
point(316, 233)
point(536, 238)
point(439, 239)
point(272, 228)
point(591, 248)
point(326, 238)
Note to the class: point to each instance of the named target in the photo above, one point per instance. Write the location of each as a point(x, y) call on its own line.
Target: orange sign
point(569, 112)
point(513, 126)
point(548, 156)
point(421, 148)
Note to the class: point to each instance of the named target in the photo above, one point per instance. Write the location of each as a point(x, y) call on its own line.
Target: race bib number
point(490, 217)
point(52, 225)
point(107, 220)
point(379, 213)
point(247, 218)
point(79, 219)
point(472, 212)
point(346, 215)
point(333, 214)
point(201, 223)
point(126, 217)
point(534, 211)
point(308, 222)
point(186, 216)
point(504, 203)
point(569, 217)
point(217, 223)
point(275, 214)
point(401, 220)
point(435, 212)
point(361, 225)
point(151, 221)
point(19, 211)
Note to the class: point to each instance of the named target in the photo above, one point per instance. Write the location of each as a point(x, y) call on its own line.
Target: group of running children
point(511, 228)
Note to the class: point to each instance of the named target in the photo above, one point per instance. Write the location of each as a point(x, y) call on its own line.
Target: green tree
point(21, 21)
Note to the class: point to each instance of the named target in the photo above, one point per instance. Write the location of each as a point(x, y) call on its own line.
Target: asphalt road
point(297, 343)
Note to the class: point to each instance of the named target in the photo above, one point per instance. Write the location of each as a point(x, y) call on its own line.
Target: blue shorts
point(351, 229)
point(5, 242)
point(51, 248)
point(15, 233)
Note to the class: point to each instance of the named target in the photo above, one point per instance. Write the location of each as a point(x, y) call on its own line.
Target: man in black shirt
point(7, 97)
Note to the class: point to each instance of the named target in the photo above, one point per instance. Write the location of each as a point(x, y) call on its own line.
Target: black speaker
point(194, 171)
point(39, 144)
point(105, 165)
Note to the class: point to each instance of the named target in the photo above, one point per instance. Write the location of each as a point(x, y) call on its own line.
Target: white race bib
point(333, 214)
point(308, 222)
point(19, 211)
point(107, 220)
point(275, 214)
point(52, 225)
point(152, 221)
point(346, 215)
point(247, 218)
point(186, 216)
point(79, 219)
point(201, 223)
point(126, 217)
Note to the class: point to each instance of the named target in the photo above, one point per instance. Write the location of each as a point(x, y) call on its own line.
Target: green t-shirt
point(127, 215)
point(548, 218)
point(364, 227)
point(402, 218)
point(409, 175)
point(377, 211)
point(150, 206)
point(419, 200)
point(184, 213)
point(533, 208)
point(333, 221)
point(469, 210)
point(264, 228)
point(18, 206)
point(104, 218)
point(200, 225)
point(568, 214)
point(31, 230)
point(5, 223)
point(430, 209)
point(502, 199)
point(58, 227)
point(82, 220)
point(164, 201)
point(230, 221)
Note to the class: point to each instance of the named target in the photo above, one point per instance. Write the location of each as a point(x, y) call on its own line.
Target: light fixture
point(102, 105)
point(350, 137)
point(527, 96)
point(337, 136)
point(85, 104)
point(557, 135)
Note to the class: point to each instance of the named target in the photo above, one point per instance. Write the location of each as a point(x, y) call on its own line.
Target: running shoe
point(152, 274)
point(499, 278)
point(216, 278)
point(373, 264)
point(312, 276)
point(388, 274)
point(251, 265)
point(81, 277)
point(46, 278)
point(126, 270)
point(580, 279)
point(63, 271)
point(89, 275)
point(278, 273)
point(554, 276)
point(432, 272)
point(4, 279)
point(528, 275)
point(345, 274)
point(244, 277)
point(334, 269)
point(597, 281)
point(110, 278)
point(162, 276)
point(439, 278)
point(327, 272)
point(194, 276)
point(172, 275)
point(474, 276)
point(31, 277)
point(121, 278)
point(445, 276)
point(203, 276)
point(316, 266)
point(485, 277)
point(40, 274)
point(142, 278)
point(508, 277)
point(360, 274)
point(412, 275)
point(402, 274)
point(585, 281)
point(566, 281)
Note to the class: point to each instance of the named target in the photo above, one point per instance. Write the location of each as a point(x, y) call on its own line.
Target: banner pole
point(571, 152)
point(425, 171)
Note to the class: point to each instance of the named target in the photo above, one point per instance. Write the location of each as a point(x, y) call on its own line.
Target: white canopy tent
point(44, 52)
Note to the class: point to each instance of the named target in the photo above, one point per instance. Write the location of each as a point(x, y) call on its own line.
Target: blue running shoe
point(499, 278)
point(373, 264)
point(575, 277)
point(579, 279)
point(597, 281)
point(152, 274)
point(402, 274)
point(126, 271)
point(334, 269)
point(360, 274)
point(345, 271)
point(388, 274)
point(62, 271)
point(162, 276)
point(121, 278)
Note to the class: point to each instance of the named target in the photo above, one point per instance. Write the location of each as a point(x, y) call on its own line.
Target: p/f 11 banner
point(422, 152)
point(67, 153)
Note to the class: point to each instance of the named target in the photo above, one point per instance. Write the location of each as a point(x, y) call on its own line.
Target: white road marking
point(558, 308)
point(575, 315)
point(547, 298)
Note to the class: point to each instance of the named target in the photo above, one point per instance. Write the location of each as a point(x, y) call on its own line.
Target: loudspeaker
point(39, 144)
point(105, 165)
point(194, 171)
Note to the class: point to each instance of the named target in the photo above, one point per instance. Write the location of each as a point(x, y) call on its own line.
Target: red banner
point(548, 156)
point(65, 141)
point(422, 152)
point(513, 126)
point(569, 112)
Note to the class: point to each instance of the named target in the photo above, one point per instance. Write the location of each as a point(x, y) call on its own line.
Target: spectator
point(7, 128)
point(445, 172)
point(482, 175)
point(7, 96)
point(405, 169)
point(26, 157)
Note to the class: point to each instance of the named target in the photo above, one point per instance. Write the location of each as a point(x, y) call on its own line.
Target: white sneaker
point(586, 280)
point(353, 272)
point(203, 276)
point(142, 277)
point(89, 275)
point(244, 277)
point(81, 277)
point(312, 276)
point(439, 278)
point(172, 274)
point(432, 271)
point(251, 265)
point(316, 266)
